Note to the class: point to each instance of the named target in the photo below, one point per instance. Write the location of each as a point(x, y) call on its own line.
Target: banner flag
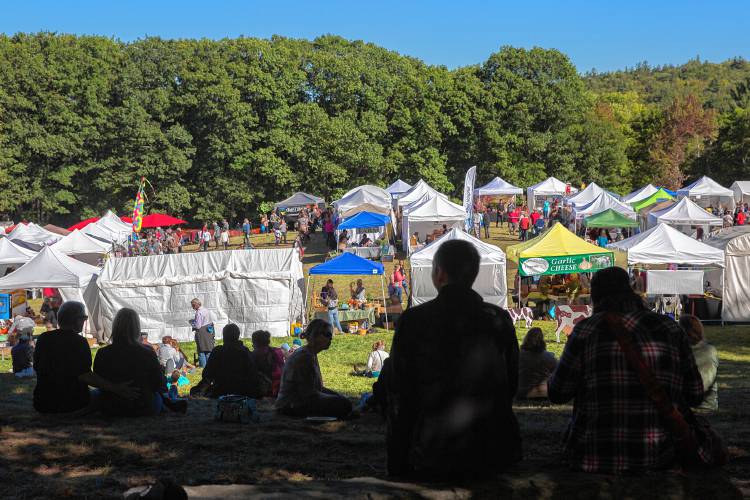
point(138, 207)
point(471, 175)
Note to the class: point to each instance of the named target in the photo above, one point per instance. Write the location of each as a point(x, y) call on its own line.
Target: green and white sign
point(569, 264)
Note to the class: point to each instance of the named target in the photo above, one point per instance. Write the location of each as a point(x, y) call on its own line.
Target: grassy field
point(44, 457)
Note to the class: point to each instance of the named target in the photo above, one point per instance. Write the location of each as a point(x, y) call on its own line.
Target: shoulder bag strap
point(654, 389)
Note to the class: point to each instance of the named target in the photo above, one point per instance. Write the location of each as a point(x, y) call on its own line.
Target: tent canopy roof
point(604, 202)
point(705, 186)
point(418, 192)
point(487, 253)
point(299, 199)
point(10, 253)
point(659, 195)
point(32, 233)
point(557, 241)
point(685, 212)
point(589, 194)
point(740, 188)
point(609, 218)
point(50, 269)
point(734, 240)
point(497, 187)
point(349, 264)
point(640, 194)
point(111, 228)
point(362, 195)
point(398, 187)
point(550, 187)
point(364, 220)
point(437, 208)
point(78, 243)
point(664, 244)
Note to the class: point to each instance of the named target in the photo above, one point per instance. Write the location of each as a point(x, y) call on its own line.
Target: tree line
point(222, 128)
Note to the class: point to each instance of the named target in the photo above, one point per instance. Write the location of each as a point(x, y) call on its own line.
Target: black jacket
point(231, 369)
point(450, 386)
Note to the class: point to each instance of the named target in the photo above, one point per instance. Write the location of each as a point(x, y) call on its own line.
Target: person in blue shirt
point(603, 239)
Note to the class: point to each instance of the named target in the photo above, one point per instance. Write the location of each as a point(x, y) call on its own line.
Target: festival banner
point(138, 207)
point(471, 176)
point(569, 264)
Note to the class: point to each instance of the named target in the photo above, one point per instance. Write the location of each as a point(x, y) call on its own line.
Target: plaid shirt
point(615, 426)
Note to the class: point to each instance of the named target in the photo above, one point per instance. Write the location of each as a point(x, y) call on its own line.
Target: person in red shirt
point(523, 226)
point(513, 217)
point(741, 218)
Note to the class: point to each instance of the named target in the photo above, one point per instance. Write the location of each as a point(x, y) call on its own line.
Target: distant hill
point(710, 82)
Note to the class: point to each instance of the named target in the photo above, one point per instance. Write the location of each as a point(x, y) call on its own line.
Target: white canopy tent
point(548, 188)
point(52, 269)
point(397, 189)
point(588, 195)
point(664, 244)
point(86, 248)
point(367, 194)
point(683, 213)
point(498, 187)
point(261, 289)
point(734, 242)
point(418, 193)
point(110, 228)
point(603, 202)
point(32, 233)
point(741, 190)
point(13, 255)
point(490, 283)
point(640, 194)
point(430, 215)
point(707, 192)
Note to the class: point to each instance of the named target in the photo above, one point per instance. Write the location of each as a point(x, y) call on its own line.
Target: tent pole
point(307, 303)
point(382, 289)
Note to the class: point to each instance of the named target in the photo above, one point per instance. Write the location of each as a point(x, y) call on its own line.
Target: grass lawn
point(44, 457)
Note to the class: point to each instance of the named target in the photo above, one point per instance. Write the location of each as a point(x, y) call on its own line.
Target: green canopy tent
point(660, 195)
point(609, 218)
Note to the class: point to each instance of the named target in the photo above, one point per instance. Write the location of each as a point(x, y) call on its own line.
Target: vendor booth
point(610, 218)
point(110, 228)
point(684, 214)
point(374, 225)
point(398, 189)
point(429, 217)
point(364, 198)
point(588, 195)
point(640, 194)
point(491, 282)
point(34, 234)
point(735, 243)
point(419, 192)
point(548, 189)
point(499, 188)
point(603, 202)
point(295, 203)
point(741, 190)
point(12, 255)
point(83, 247)
point(664, 244)
point(348, 264)
point(261, 289)
point(52, 269)
point(706, 192)
point(658, 196)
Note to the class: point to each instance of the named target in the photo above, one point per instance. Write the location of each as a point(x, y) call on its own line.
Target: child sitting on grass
point(175, 380)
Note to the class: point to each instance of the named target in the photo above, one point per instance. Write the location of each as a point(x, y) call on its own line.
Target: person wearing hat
point(23, 354)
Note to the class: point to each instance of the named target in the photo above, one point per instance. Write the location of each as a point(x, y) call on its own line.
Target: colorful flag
point(138, 207)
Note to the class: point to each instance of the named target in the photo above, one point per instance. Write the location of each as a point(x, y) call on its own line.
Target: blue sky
point(605, 35)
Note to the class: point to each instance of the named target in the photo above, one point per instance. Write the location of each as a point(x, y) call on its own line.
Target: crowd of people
point(448, 385)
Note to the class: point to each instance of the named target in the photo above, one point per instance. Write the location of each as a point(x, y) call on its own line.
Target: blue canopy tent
point(364, 220)
point(350, 264)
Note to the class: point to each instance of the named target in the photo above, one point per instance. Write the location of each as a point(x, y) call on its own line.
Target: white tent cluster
point(424, 209)
point(33, 233)
point(110, 228)
point(707, 192)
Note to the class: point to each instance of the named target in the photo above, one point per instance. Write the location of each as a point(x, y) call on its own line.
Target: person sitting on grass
point(270, 363)
point(23, 354)
point(302, 393)
point(374, 361)
point(706, 358)
point(535, 365)
point(125, 359)
point(231, 369)
point(62, 360)
point(181, 360)
point(615, 425)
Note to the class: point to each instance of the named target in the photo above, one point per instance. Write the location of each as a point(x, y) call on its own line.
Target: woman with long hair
point(126, 360)
point(535, 365)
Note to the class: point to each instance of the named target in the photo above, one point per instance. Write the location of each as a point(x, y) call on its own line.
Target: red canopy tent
point(161, 220)
point(83, 224)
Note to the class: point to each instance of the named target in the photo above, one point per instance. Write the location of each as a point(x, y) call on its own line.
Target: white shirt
point(202, 318)
point(376, 360)
point(206, 236)
point(225, 236)
point(21, 322)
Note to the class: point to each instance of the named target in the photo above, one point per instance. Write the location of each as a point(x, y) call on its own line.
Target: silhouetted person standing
point(451, 379)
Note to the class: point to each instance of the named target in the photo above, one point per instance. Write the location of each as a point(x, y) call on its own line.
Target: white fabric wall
point(490, 284)
point(736, 305)
point(256, 289)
